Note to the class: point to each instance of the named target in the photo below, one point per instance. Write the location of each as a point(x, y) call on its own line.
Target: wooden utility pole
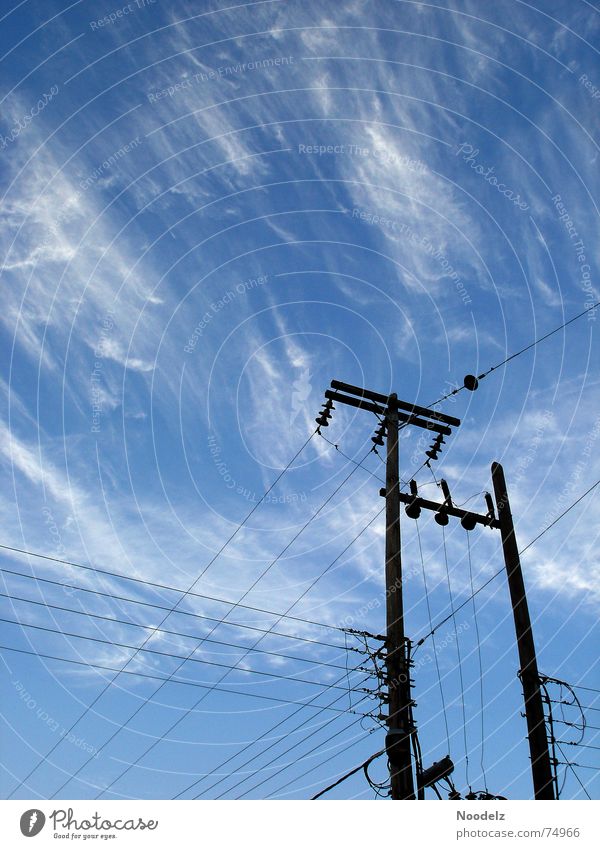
point(398, 672)
point(534, 708)
point(393, 412)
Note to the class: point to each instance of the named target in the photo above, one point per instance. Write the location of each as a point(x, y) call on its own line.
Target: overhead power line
point(160, 586)
point(87, 613)
point(518, 353)
point(171, 655)
point(179, 681)
point(175, 606)
point(303, 594)
point(294, 762)
point(188, 613)
point(500, 571)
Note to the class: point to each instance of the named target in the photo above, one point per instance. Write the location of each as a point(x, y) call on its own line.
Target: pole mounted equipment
point(393, 415)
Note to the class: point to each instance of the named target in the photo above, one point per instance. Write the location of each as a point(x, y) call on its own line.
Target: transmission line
point(128, 600)
point(518, 353)
point(87, 613)
point(160, 586)
point(180, 681)
point(166, 654)
point(182, 597)
point(181, 718)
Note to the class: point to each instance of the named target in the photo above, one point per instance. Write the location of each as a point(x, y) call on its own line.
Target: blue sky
point(208, 212)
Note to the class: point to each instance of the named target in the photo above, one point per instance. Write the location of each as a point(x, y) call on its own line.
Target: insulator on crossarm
point(379, 434)
point(441, 517)
point(325, 414)
point(435, 448)
point(491, 513)
point(412, 510)
point(446, 490)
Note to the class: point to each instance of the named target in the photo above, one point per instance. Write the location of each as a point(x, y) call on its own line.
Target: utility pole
point(391, 413)
point(398, 672)
point(534, 707)
point(541, 765)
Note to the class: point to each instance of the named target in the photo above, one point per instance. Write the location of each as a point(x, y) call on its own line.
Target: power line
point(458, 654)
point(179, 681)
point(167, 631)
point(481, 698)
point(183, 596)
point(180, 719)
point(128, 600)
point(348, 775)
point(319, 765)
point(330, 566)
point(577, 726)
point(581, 687)
point(518, 353)
point(252, 743)
point(165, 654)
point(499, 572)
point(293, 762)
point(551, 525)
point(437, 660)
point(157, 585)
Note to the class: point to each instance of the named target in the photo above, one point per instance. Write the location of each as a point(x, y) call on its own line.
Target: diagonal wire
point(341, 554)
point(481, 696)
point(183, 596)
point(156, 585)
point(459, 656)
point(178, 612)
point(117, 621)
point(437, 660)
point(181, 718)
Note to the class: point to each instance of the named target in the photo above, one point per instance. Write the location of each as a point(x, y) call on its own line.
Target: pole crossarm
point(378, 409)
point(394, 403)
point(407, 498)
